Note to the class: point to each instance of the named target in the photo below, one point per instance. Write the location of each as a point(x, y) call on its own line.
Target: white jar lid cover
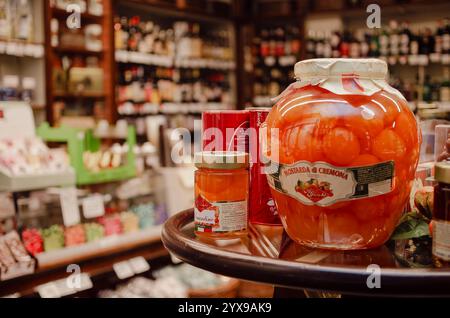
point(326, 68)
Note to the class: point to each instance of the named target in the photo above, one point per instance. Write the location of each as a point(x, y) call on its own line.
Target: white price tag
point(49, 290)
point(123, 270)
point(139, 265)
point(93, 206)
point(69, 206)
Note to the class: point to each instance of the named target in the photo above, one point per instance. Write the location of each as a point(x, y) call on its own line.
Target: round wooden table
point(267, 255)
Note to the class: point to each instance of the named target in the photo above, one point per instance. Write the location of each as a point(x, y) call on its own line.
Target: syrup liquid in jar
point(221, 194)
point(346, 147)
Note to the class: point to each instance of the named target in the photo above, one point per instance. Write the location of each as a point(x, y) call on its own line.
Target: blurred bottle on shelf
point(16, 20)
point(156, 85)
point(183, 41)
point(275, 50)
point(395, 43)
point(444, 90)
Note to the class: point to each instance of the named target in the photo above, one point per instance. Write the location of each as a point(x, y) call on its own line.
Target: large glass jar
point(345, 147)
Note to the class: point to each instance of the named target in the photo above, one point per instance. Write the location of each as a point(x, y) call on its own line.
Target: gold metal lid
point(221, 160)
point(442, 172)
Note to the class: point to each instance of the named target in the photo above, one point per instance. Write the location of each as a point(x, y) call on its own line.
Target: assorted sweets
point(31, 156)
point(345, 154)
point(14, 259)
point(221, 194)
point(56, 237)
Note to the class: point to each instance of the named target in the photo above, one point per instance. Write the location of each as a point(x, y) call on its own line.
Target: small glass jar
point(441, 215)
point(221, 194)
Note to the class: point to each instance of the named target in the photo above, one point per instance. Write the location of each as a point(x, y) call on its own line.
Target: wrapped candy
point(33, 241)
point(75, 235)
point(94, 231)
point(30, 156)
point(112, 224)
point(146, 214)
point(6, 257)
point(16, 247)
point(53, 238)
point(130, 222)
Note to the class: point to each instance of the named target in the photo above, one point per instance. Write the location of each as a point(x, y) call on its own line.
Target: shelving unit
point(171, 12)
point(96, 266)
point(106, 63)
point(327, 16)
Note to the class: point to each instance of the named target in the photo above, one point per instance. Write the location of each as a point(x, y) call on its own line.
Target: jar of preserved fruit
point(441, 215)
point(344, 148)
point(221, 194)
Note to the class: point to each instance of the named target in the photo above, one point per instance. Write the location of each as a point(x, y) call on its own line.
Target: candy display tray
point(80, 141)
point(34, 182)
point(104, 246)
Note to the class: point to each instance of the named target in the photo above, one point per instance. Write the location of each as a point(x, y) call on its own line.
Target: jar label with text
point(323, 184)
point(441, 240)
point(220, 217)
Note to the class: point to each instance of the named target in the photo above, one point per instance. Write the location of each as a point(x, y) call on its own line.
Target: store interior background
point(137, 70)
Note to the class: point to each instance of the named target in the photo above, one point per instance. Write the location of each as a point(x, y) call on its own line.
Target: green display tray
point(78, 142)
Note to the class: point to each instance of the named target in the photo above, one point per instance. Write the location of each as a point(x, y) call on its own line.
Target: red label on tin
point(262, 208)
point(225, 131)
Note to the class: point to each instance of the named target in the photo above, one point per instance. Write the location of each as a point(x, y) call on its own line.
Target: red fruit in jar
point(405, 127)
point(388, 145)
point(389, 105)
point(341, 146)
point(365, 124)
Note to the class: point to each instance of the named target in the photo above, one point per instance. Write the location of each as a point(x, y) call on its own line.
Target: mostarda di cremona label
point(323, 184)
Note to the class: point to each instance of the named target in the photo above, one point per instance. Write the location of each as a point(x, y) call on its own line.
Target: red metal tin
point(262, 209)
point(225, 130)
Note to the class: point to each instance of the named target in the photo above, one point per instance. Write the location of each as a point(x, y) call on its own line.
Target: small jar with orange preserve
point(346, 147)
point(221, 194)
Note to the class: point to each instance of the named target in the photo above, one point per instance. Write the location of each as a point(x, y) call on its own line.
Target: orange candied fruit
point(340, 146)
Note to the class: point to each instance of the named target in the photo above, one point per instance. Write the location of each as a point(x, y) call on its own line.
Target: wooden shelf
point(173, 8)
point(53, 57)
point(76, 51)
point(21, 49)
point(78, 96)
point(62, 15)
point(95, 266)
point(103, 247)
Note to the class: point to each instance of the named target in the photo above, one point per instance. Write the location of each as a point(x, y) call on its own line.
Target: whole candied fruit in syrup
point(318, 126)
